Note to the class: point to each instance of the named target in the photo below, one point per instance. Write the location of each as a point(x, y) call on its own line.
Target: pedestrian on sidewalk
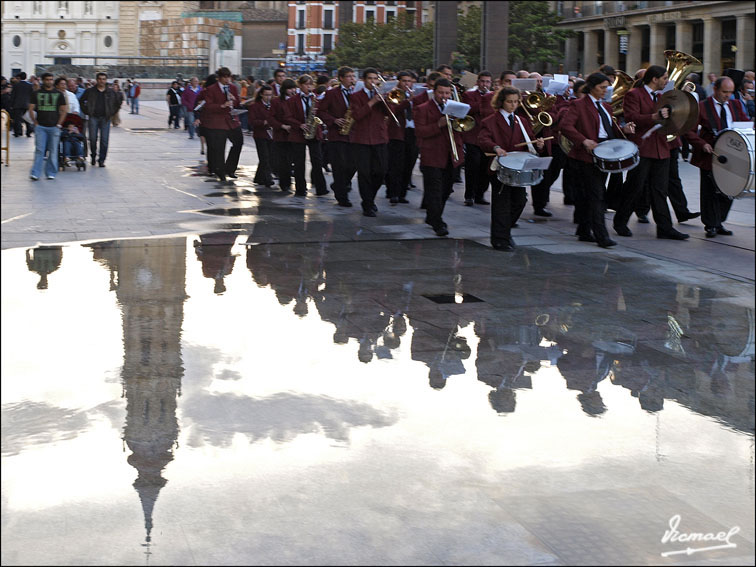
point(19, 100)
point(116, 119)
point(173, 98)
point(48, 109)
point(99, 102)
point(136, 90)
point(189, 101)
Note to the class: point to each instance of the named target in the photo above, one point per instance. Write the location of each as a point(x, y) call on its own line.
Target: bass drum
point(733, 168)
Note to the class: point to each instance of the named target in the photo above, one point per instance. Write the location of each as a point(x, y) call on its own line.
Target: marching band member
point(715, 114)
point(397, 134)
point(499, 134)
point(422, 98)
point(410, 141)
point(369, 139)
point(259, 120)
point(586, 123)
point(476, 164)
point(639, 106)
point(296, 110)
point(279, 76)
point(222, 125)
point(332, 111)
point(436, 160)
point(282, 158)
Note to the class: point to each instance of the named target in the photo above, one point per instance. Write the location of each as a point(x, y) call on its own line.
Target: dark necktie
point(653, 95)
point(346, 96)
point(225, 90)
point(511, 121)
point(306, 100)
point(370, 94)
point(605, 121)
point(408, 112)
point(722, 115)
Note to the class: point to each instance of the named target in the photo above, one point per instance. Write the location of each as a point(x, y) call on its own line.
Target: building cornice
point(725, 8)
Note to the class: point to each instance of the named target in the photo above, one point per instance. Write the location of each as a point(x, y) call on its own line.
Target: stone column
point(611, 48)
point(656, 45)
point(634, 46)
point(712, 57)
point(494, 42)
point(590, 47)
point(744, 42)
point(684, 37)
point(571, 55)
point(445, 39)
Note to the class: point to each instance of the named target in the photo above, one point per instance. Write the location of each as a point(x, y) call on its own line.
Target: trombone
point(378, 91)
point(461, 124)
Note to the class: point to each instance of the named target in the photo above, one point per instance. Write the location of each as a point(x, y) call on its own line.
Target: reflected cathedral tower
point(149, 278)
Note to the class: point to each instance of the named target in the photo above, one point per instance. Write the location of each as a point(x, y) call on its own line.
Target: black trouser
point(174, 113)
point(590, 201)
point(569, 182)
point(216, 147)
point(343, 167)
point(298, 154)
point(396, 170)
point(437, 186)
point(656, 173)
point(674, 191)
point(263, 174)
point(540, 192)
point(372, 163)
point(411, 152)
point(18, 122)
point(507, 204)
point(476, 173)
point(282, 164)
point(236, 137)
point(715, 205)
point(614, 192)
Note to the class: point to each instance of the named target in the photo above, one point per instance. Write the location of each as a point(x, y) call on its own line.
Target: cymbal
point(683, 111)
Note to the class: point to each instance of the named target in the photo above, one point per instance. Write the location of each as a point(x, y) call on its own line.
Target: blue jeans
point(72, 147)
point(174, 114)
point(135, 105)
point(189, 121)
point(46, 138)
point(102, 125)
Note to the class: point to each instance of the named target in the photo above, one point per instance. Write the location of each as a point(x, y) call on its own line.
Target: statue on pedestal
point(225, 38)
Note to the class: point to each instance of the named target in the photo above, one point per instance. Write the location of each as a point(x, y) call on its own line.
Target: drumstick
point(526, 143)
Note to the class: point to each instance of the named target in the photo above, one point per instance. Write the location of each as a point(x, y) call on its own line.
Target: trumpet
point(397, 95)
point(540, 102)
point(378, 92)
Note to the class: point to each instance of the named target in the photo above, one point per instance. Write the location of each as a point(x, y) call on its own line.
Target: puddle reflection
point(316, 341)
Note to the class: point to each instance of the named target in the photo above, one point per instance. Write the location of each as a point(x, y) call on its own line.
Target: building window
point(88, 8)
point(370, 2)
point(300, 19)
point(560, 9)
point(728, 43)
point(642, 4)
point(620, 6)
point(16, 40)
point(328, 19)
point(108, 41)
point(599, 6)
point(390, 15)
point(669, 37)
point(37, 7)
point(300, 44)
point(207, 5)
point(61, 60)
point(411, 4)
point(391, 3)
point(63, 7)
point(698, 43)
point(369, 16)
point(327, 43)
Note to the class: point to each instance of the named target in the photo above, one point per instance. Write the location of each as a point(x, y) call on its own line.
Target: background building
point(632, 34)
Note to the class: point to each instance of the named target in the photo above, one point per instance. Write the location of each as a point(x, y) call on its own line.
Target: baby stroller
point(71, 148)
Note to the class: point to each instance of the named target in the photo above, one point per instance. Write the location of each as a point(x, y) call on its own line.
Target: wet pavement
point(275, 380)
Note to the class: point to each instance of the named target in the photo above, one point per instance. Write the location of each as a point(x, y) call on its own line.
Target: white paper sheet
point(456, 109)
point(525, 84)
point(237, 111)
point(555, 88)
point(742, 125)
point(562, 78)
point(537, 163)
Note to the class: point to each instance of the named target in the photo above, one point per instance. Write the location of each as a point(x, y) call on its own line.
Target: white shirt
point(602, 133)
point(718, 109)
point(649, 91)
point(506, 115)
point(73, 103)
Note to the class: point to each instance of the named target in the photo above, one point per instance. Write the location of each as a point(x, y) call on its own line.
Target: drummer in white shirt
point(588, 122)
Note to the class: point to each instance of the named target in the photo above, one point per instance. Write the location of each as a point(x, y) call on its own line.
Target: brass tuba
point(679, 66)
point(622, 83)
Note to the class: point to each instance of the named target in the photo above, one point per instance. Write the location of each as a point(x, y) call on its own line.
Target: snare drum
point(613, 156)
point(733, 169)
point(511, 170)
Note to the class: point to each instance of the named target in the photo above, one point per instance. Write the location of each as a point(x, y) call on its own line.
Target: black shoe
point(394, 201)
point(507, 246)
point(93, 160)
point(723, 231)
point(586, 238)
point(622, 231)
point(689, 216)
point(441, 231)
point(412, 185)
point(469, 202)
point(222, 178)
point(344, 203)
point(232, 176)
point(285, 190)
point(484, 202)
point(403, 200)
point(321, 193)
point(711, 232)
point(608, 243)
point(102, 164)
point(374, 208)
point(542, 213)
point(369, 213)
point(673, 235)
point(300, 194)
point(643, 219)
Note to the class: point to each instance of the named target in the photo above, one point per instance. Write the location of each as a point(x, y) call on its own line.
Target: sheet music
point(456, 109)
point(537, 163)
point(555, 88)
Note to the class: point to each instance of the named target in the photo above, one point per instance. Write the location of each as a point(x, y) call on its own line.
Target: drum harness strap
point(531, 149)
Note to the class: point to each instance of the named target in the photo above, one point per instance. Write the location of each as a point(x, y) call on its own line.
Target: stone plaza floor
point(206, 374)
